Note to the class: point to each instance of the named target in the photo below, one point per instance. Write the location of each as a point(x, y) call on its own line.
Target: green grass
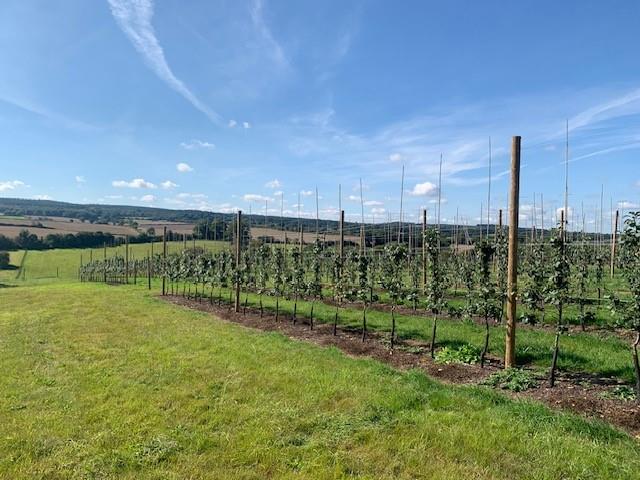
point(606, 355)
point(45, 266)
point(110, 382)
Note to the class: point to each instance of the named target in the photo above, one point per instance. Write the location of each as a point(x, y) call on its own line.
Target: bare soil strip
point(581, 394)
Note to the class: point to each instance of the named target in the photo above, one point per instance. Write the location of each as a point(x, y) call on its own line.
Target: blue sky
point(220, 105)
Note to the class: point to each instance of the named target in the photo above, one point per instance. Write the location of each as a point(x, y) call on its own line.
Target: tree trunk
point(636, 365)
point(311, 315)
point(485, 350)
point(277, 308)
point(554, 360)
point(335, 322)
point(432, 346)
point(393, 325)
point(295, 309)
point(364, 322)
point(261, 308)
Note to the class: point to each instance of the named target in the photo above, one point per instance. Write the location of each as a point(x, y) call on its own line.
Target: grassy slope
point(43, 266)
point(607, 356)
point(579, 352)
point(105, 381)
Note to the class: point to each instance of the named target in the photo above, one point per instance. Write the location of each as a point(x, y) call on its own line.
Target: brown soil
point(581, 394)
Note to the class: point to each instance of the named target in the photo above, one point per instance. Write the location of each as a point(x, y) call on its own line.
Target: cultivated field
point(43, 226)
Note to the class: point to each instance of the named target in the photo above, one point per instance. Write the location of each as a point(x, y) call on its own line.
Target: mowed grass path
point(110, 382)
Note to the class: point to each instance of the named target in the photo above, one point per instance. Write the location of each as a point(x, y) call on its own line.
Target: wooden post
point(512, 268)
point(424, 251)
point(126, 259)
point(104, 263)
point(164, 260)
point(149, 272)
point(301, 240)
point(238, 244)
point(341, 236)
point(614, 236)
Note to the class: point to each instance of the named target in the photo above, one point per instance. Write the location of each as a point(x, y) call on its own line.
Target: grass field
point(45, 266)
point(603, 355)
point(110, 382)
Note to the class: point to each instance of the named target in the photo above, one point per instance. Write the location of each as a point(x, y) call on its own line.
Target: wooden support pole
point(126, 259)
point(424, 250)
point(512, 268)
point(614, 237)
point(341, 236)
point(164, 260)
point(104, 263)
point(149, 259)
point(238, 247)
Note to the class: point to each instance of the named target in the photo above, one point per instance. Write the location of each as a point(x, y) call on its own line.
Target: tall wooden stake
point(341, 236)
point(512, 268)
point(613, 242)
point(164, 260)
point(126, 259)
point(238, 244)
point(424, 250)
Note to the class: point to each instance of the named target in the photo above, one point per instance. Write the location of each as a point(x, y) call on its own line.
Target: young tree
point(297, 281)
point(314, 285)
point(486, 303)
point(362, 292)
point(394, 258)
point(533, 288)
point(629, 312)
point(262, 273)
point(436, 286)
point(557, 292)
point(279, 278)
point(582, 261)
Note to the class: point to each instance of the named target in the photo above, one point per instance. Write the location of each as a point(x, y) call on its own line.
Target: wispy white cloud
point(135, 183)
point(184, 167)
point(195, 144)
point(134, 19)
point(626, 205)
point(11, 185)
point(624, 104)
point(168, 185)
point(80, 179)
point(306, 193)
point(425, 189)
point(246, 125)
point(276, 51)
point(148, 198)
point(275, 183)
point(42, 197)
point(232, 123)
point(53, 117)
point(254, 197)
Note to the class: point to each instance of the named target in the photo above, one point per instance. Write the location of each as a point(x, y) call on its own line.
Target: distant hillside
point(99, 213)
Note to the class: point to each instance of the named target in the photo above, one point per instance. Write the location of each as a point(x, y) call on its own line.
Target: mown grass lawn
point(110, 382)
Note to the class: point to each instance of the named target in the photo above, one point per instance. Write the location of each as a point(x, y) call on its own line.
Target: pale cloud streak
point(134, 19)
point(135, 183)
point(195, 144)
point(11, 185)
point(276, 51)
